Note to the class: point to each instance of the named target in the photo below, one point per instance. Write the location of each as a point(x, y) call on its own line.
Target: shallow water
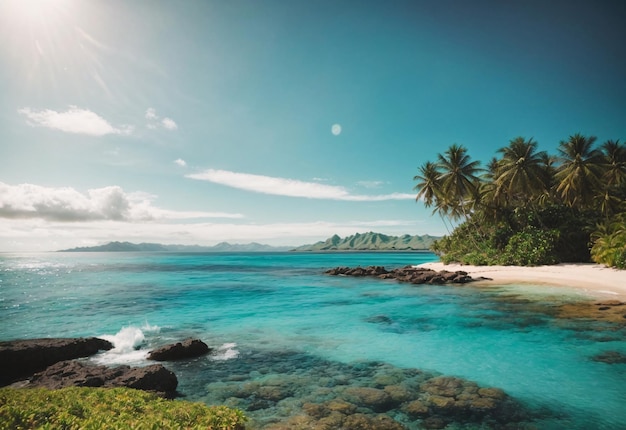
point(275, 320)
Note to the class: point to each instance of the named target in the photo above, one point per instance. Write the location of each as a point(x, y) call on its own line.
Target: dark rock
point(21, 358)
point(611, 303)
point(154, 378)
point(151, 378)
point(610, 357)
point(434, 423)
point(410, 274)
point(379, 319)
point(189, 348)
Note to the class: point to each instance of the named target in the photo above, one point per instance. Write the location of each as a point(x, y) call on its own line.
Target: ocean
point(276, 322)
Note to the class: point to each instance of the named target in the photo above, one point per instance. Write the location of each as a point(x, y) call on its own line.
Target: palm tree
point(614, 177)
point(492, 203)
point(429, 188)
point(459, 183)
point(548, 164)
point(615, 159)
point(580, 171)
point(521, 175)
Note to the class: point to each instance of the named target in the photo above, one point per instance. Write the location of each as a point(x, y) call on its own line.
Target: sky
point(279, 122)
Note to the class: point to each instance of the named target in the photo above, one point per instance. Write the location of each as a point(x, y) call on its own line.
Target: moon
point(336, 129)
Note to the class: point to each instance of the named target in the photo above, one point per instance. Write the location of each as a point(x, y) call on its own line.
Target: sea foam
point(126, 345)
point(226, 351)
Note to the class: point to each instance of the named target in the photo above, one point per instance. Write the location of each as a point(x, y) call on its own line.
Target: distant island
point(357, 242)
point(372, 242)
point(157, 247)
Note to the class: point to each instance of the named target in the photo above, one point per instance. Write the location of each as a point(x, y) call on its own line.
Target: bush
point(111, 408)
point(609, 243)
point(493, 244)
point(531, 247)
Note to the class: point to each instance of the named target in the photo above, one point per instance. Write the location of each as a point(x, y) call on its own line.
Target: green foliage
point(531, 247)
point(609, 246)
point(530, 208)
point(110, 408)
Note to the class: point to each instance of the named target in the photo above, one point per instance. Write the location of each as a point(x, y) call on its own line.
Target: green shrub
point(531, 247)
point(494, 244)
point(110, 408)
point(609, 243)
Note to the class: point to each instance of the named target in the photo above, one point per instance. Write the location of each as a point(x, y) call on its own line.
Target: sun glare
point(36, 36)
point(29, 12)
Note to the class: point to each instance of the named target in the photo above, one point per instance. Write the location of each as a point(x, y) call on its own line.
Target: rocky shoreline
point(55, 363)
point(409, 274)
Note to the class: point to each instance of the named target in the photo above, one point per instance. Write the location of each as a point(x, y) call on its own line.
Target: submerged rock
point(22, 358)
point(610, 357)
point(371, 398)
point(613, 311)
point(189, 348)
point(410, 274)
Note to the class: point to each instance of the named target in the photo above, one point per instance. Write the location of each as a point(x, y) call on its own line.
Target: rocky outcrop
point(63, 374)
point(189, 348)
point(410, 274)
point(22, 358)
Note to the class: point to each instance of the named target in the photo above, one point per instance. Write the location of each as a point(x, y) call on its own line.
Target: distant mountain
point(372, 242)
point(157, 247)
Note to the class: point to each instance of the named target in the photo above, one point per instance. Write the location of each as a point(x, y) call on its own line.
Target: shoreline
point(593, 279)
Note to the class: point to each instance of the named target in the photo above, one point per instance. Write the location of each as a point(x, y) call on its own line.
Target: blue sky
point(281, 122)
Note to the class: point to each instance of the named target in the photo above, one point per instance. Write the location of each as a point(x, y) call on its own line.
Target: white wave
point(126, 344)
point(146, 327)
point(226, 352)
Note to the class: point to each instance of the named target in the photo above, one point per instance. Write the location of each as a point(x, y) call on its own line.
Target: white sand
point(594, 279)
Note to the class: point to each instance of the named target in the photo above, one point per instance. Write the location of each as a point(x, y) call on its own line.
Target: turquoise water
point(276, 316)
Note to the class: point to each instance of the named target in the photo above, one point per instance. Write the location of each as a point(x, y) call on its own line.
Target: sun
point(32, 30)
point(31, 12)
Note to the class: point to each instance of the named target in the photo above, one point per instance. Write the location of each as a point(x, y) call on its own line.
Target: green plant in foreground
point(110, 408)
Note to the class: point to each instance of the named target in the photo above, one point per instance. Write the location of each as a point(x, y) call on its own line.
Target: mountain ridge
point(357, 242)
point(158, 247)
point(372, 242)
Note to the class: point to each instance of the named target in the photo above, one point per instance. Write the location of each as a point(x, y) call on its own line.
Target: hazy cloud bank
point(69, 205)
point(289, 187)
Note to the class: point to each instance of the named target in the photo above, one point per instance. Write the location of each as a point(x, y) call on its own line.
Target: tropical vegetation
point(108, 408)
point(528, 207)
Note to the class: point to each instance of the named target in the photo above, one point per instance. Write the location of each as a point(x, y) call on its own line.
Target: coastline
point(593, 279)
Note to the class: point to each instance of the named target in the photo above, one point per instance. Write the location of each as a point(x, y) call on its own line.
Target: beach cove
point(287, 337)
point(592, 279)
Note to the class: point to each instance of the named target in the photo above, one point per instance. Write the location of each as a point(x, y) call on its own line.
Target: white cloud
point(169, 124)
point(74, 120)
point(288, 187)
point(181, 162)
point(151, 113)
point(69, 205)
point(371, 184)
point(155, 121)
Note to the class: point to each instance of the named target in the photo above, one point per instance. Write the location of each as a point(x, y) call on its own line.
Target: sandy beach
point(594, 279)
